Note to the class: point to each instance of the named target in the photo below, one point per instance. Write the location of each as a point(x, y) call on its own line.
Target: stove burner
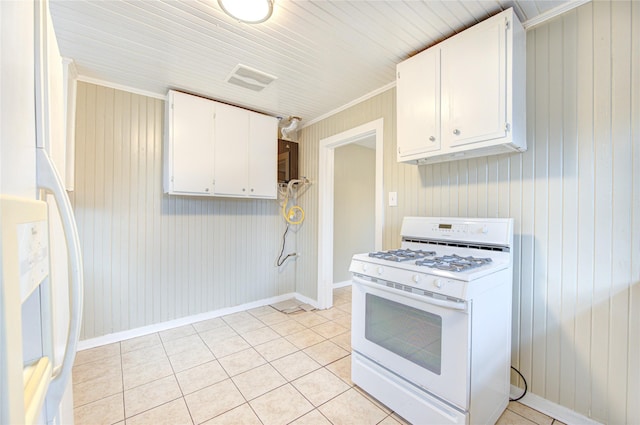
point(399, 255)
point(454, 263)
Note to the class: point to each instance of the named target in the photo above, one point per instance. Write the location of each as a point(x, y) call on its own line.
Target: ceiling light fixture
point(249, 11)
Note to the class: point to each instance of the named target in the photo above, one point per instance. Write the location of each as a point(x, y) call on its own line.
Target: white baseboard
point(306, 300)
point(158, 327)
point(552, 409)
point(342, 284)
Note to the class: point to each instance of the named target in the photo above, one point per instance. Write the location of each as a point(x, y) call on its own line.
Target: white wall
point(151, 257)
point(575, 198)
point(354, 206)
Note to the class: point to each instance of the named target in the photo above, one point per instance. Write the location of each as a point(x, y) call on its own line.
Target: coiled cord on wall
point(291, 213)
point(295, 214)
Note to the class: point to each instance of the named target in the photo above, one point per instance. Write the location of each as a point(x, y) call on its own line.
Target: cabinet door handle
point(432, 138)
point(206, 189)
point(456, 131)
point(244, 190)
point(252, 190)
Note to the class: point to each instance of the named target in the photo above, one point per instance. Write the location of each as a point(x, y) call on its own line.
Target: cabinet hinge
point(507, 127)
point(171, 179)
point(398, 75)
point(507, 23)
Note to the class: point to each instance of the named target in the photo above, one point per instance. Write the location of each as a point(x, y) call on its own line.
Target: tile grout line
point(146, 383)
point(175, 376)
point(529, 418)
point(124, 412)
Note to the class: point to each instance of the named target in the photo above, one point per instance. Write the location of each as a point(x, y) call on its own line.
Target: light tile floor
point(255, 367)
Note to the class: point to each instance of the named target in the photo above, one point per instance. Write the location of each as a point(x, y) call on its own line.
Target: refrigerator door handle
point(49, 180)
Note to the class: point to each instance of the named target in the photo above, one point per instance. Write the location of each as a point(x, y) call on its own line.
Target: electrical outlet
point(393, 199)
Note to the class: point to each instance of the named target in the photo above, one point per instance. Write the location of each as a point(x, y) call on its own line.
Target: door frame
point(325, 200)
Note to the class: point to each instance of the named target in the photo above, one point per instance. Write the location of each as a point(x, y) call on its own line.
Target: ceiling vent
point(250, 78)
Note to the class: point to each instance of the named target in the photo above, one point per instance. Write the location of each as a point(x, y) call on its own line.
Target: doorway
point(354, 191)
point(373, 130)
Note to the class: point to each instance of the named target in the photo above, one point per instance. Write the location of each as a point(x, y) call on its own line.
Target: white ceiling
point(324, 54)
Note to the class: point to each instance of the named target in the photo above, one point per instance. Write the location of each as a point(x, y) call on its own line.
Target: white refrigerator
point(40, 261)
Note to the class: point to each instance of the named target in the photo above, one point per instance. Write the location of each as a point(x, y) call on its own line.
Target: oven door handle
point(450, 304)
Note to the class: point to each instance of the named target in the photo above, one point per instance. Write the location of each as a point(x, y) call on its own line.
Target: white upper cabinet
point(246, 151)
point(231, 151)
point(418, 103)
point(215, 149)
point(474, 86)
point(263, 175)
point(189, 136)
point(479, 90)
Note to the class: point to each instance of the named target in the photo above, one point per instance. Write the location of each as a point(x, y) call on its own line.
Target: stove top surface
point(456, 257)
point(419, 257)
point(464, 264)
point(399, 255)
point(454, 262)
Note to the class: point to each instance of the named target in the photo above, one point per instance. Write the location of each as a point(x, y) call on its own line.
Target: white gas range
point(431, 322)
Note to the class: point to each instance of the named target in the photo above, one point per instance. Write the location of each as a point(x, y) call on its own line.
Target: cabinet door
point(418, 104)
point(231, 150)
point(474, 85)
point(263, 156)
point(191, 144)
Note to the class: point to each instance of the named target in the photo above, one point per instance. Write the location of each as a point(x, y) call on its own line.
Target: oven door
point(422, 339)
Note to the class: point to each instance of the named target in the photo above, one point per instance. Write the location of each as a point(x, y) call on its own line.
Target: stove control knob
point(416, 278)
point(380, 270)
point(437, 283)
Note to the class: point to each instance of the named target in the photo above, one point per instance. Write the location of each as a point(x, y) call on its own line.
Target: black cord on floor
point(281, 260)
point(525, 385)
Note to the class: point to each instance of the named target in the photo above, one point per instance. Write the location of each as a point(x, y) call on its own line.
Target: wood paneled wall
point(575, 198)
point(354, 200)
point(150, 257)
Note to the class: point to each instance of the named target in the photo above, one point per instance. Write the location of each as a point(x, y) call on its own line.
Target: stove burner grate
point(454, 263)
point(399, 255)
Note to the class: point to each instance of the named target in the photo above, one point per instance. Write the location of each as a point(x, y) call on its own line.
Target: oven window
point(411, 333)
